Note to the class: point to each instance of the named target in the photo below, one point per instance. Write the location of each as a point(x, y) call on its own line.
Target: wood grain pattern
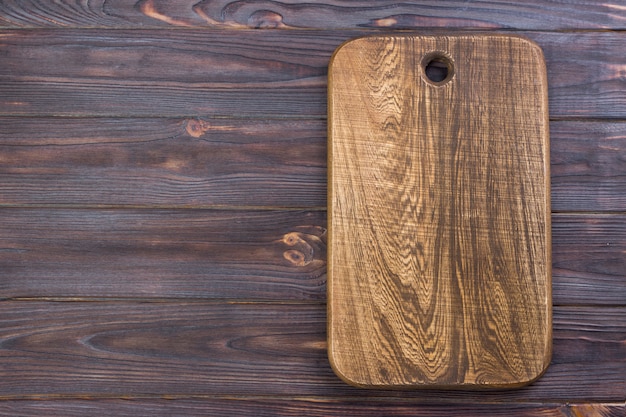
point(131, 349)
point(185, 162)
point(439, 218)
point(593, 263)
point(242, 254)
point(266, 74)
point(162, 162)
point(588, 166)
point(312, 408)
point(209, 254)
point(328, 14)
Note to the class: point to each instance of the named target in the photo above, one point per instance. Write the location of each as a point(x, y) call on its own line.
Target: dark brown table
point(163, 194)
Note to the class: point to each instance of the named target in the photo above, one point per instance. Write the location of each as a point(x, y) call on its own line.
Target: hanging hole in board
point(438, 68)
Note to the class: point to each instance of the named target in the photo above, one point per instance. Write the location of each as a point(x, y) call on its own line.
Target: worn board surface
point(439, 260)
point(163, 206)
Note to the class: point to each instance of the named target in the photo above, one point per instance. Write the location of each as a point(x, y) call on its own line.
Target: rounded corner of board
point(345, 374)
point(344, 47)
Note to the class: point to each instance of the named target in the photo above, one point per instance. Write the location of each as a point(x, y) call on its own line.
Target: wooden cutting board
point(439, 212)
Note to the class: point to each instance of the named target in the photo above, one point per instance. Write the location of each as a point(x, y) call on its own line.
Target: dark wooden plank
point(147, 73)
point(315, 407)
point(219, 254)
point(589, 258)
point(162, 254)
point(246, 73)
point(587, 66)
point(588, 166)
point(216, 349)
point(163, 162)
point(273, 163)
point(328, 14)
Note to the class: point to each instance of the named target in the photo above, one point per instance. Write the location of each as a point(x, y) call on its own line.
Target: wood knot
point(197, 128)
point(305, 248)
point(266, 19)
point(293, 238)
point(296, 257)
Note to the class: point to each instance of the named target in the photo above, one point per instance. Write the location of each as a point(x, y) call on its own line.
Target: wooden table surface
point(163, 194)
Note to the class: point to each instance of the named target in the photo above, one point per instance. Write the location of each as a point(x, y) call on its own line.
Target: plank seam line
point(226, 301)
point(217, 207)
point(158, 207)
point(163, 300)
point(324, 399)
point(260, 117)
point(360, 30)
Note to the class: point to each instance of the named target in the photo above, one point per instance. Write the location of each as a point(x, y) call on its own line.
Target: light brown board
point(439, 251)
